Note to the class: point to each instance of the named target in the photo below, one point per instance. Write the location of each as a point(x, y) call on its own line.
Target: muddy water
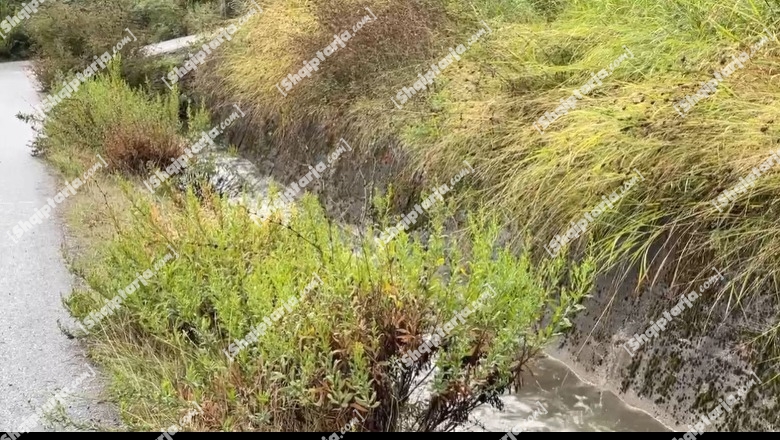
point(553, 399)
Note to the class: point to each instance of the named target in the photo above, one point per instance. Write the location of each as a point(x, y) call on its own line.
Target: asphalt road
point(36, 359)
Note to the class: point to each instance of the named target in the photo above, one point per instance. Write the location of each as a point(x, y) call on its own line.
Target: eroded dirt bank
point(684, 371)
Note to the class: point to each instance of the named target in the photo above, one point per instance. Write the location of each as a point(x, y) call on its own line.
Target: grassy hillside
point(483, 108)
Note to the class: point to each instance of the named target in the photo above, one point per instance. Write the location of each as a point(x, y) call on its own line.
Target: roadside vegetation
point(336, 351)
point(131, 129)
point(63, 37)
point(339, 351)
point(333, 355)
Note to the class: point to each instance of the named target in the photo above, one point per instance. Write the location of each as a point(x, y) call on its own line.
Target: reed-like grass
point(484, 107)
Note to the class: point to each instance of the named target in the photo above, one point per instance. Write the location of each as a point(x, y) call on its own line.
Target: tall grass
point(484, 108)
point(628, 123)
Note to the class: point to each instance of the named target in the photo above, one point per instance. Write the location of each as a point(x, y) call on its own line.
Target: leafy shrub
point(68, 35)
point(146, 72)
point(106, 116)
point(166, 19)
point(337, 352)
point(206, 16)
point(163, 19)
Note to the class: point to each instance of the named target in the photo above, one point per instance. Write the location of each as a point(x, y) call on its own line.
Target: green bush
point(163, 19)
point(336, 354)
point(166, 19)
point(107, 109)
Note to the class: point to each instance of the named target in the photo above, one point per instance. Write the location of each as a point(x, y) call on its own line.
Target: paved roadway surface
point(36, 359)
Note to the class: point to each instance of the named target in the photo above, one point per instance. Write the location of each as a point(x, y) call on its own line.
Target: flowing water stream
point(554, 399)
